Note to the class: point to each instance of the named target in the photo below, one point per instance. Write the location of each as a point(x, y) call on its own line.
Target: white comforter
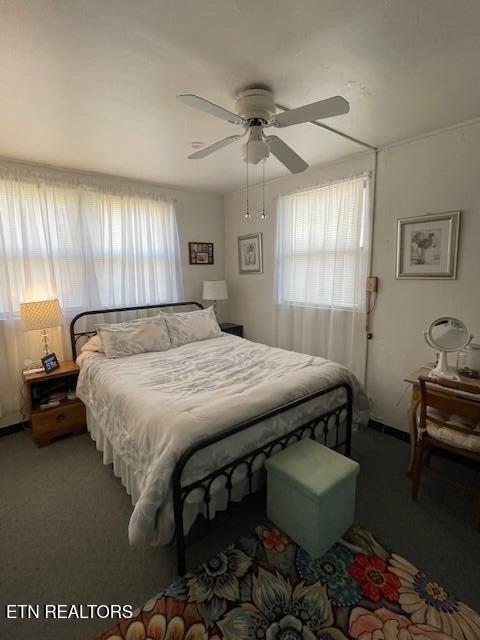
point(151, 407)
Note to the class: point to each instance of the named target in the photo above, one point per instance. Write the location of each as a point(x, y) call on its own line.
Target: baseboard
point(12, 428)
point(405, 437)
point(391, 431)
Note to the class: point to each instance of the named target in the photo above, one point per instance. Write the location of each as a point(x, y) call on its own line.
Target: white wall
point(251, 295)
point(200, 219)
point(433, 174)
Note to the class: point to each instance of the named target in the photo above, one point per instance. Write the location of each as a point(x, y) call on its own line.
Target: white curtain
point(89, 246)
point(322, 260)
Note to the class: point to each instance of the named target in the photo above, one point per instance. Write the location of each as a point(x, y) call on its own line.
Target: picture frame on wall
point(250, 253)
point(427, 246)
point(200, 252)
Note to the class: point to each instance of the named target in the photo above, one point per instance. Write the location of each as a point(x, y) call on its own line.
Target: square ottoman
point(311, 494)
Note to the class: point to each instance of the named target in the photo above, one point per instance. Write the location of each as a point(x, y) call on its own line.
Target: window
point(89, 247)
point(135, 249)
point(320, 245)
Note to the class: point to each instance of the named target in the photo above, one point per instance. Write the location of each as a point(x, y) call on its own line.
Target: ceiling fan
point(256, 111)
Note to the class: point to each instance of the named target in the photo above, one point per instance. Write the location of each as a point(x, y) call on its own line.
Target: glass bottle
point(468, 361)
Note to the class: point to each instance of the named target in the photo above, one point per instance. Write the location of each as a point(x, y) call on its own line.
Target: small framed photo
point(250, 259)
point(50, 363)
point(427, 246)
point(200, 252)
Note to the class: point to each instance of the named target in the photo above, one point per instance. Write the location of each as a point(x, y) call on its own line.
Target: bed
point(188, 430)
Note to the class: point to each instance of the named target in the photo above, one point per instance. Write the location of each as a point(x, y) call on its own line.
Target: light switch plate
point(372, 284)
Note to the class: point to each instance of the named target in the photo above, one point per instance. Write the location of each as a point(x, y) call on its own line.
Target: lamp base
point(46, 350)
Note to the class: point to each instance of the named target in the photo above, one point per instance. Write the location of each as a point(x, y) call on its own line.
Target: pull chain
point(263, 215)
point(247, 213)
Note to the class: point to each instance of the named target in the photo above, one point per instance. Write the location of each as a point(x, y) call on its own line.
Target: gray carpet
point(63, 529)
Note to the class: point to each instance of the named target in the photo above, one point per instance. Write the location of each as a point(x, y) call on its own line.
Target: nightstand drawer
point(62, 419)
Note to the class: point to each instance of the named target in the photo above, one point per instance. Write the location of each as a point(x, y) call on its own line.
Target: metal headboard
point(76, 335)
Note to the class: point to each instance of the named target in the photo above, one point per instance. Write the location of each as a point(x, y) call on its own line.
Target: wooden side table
point(67, 417)
point(231, 327)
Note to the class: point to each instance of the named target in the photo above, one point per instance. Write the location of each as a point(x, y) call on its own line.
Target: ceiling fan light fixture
point(256, 112)
point(255, 151)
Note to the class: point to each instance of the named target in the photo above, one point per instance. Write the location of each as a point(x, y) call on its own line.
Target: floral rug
point(265, 587)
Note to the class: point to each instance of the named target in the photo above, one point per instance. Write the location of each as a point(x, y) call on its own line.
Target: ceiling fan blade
point(316, 111)
point(209, 107)
point(286, 155)
point(206, 151)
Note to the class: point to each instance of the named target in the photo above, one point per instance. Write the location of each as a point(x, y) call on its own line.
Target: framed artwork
point(250, 259)
point(427, 246)
point(200, 252)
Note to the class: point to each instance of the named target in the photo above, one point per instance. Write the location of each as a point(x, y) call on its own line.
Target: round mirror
point(447, 334)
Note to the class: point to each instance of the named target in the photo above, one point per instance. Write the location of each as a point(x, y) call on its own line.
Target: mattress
point(145, 410)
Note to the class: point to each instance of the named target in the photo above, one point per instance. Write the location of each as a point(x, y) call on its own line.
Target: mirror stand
point(446, 334)
point(441, 369)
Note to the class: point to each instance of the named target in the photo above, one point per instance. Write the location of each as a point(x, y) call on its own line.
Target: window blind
point(320, 244)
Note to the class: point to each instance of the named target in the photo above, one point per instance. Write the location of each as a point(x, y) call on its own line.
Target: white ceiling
point(91, 84)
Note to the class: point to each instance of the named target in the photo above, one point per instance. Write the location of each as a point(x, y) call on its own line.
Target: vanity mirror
point(444, 335)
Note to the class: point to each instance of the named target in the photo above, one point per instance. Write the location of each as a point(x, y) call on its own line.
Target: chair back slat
point(467, 387)
point(437, 395)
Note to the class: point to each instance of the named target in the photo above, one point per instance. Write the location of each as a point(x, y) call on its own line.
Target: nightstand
point(67, 416)
point(231, 327)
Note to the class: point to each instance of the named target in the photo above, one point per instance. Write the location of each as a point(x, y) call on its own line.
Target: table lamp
point(41, 316)
point(215, 290)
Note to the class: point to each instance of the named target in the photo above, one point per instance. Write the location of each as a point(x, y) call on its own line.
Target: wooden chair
point(448, 421)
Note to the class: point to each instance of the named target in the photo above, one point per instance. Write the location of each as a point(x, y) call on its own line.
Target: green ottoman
point(311, 494)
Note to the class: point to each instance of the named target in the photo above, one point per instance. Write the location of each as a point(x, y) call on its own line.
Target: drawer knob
point(60, 417)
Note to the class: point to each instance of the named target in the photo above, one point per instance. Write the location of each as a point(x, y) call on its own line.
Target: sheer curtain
point(322, 257)
point(89, 246)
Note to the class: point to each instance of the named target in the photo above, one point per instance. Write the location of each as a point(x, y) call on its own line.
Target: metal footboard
point(313, 428)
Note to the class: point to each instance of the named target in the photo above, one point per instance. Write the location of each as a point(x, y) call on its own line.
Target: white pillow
point(138, 336)
point(94, 344)
point(192, 326)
